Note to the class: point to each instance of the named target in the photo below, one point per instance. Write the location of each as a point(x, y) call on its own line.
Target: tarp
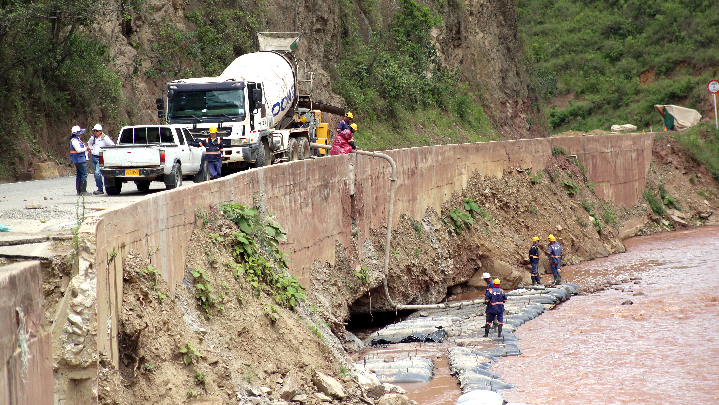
point(678, 117)
point(278, 41)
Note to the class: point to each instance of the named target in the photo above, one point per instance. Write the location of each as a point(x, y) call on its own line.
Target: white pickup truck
point(146, 153)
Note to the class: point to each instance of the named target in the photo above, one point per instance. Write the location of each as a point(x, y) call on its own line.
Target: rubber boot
point(83, 188)
point(499, 331)
point(486, 330)
point(559, 279)
point(77, 186)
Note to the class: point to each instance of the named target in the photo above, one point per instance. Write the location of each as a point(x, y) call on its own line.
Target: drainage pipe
point(393, 187)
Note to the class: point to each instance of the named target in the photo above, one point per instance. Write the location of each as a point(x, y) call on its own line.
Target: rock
point(290, 388)
point(300, 398)
point(393, 389)
point(75, 319)
point(678, 220)
point(623, 128)
point(322, 397)
point(627, 302)
point(395, 399)
point(455, 289)
point(350, 342)
point(328, 385)
point(559, 227)
point(632, 227)
point(33, 205)
point(638, 293)
point(705, 214)
point(423, 313)
point(266, 390)
point(369, 382)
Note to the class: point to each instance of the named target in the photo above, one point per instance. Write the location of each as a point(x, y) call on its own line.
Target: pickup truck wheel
point(174, 179)
point(203, 174)
point(112, 186)
point(143, 185)
point(304, 148)
point(294, 150)
point(264, 155)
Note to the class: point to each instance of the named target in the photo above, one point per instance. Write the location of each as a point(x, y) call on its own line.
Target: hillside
point(598, 63)
point(415, 72)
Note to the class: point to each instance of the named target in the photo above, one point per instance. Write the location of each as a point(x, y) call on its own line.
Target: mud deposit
point(661, 349)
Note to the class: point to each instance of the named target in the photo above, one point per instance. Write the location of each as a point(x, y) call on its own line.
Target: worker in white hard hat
point(494, 298)
point(97, 141)
point(534, 261)
point(78, 156)
point(554, 251)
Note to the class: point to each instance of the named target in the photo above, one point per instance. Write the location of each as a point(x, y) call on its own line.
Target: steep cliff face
point(478, 38)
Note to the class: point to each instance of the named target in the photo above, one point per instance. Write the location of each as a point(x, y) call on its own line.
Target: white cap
point(486, 275)
point(76, 130)
point(97, 127)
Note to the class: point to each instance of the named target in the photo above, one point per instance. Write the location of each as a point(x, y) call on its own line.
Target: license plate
point(132, 172)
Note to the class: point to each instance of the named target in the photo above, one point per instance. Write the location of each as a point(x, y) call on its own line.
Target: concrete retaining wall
point(316, 201)
point(25, 350)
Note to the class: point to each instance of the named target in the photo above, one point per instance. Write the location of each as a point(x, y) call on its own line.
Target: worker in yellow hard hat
point(345, 123)
point(344, 142)
point(494, 298)
point(300, 123)
point(213, 153)
point(554, 251)
point(534, 261)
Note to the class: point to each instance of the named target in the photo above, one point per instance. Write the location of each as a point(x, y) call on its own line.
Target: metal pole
point(716, 123)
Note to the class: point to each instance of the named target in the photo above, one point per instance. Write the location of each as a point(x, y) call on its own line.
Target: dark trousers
point(215, 167)
point(81, 174)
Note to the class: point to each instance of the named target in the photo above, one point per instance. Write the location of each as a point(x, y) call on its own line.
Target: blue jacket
point(343, 125)
point(75, 156)
point(534, 253)
point(495, 299)
point(555, 253)
point(213, 148)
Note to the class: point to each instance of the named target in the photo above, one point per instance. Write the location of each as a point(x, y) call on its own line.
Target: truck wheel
point(304, 148)
point(294, 150)
point(112, 186)
point(143, 185)
point(203, 174)
point(264, 155)
point(174, 179)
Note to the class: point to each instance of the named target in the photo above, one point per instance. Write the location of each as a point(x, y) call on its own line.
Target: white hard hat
point(486, 275)
point(76, 130)
point(97, 127)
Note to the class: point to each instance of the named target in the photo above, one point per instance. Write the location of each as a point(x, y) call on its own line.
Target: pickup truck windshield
point(146, 135)
point(209, 103)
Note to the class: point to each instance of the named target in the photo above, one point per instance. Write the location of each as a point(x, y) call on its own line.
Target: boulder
point(623, 128)
point(509, 275)
point(290, 387)
point(328, 385)
point(395, 399)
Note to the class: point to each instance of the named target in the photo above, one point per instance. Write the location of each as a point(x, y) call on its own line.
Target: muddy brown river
point(661, 349)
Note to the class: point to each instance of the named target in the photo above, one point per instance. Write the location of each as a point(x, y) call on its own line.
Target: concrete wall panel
point(25, 347)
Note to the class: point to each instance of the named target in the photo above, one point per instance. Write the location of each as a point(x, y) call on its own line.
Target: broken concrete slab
point(31, 251)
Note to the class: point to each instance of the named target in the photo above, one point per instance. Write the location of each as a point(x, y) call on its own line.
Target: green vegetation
point(188, 353)
point(203, 292)
point(654, 202)
point(51, 71)
point(616, 59)
point(258, 257)
point(702, 143)
point(535, 178)
point(394, 82)
point(572, 188)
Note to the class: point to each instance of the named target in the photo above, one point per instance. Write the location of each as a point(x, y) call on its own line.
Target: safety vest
point(213, 148)
point(75, 156)
point(555, 252)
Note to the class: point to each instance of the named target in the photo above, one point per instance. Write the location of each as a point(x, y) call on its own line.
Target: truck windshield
point(210, 103)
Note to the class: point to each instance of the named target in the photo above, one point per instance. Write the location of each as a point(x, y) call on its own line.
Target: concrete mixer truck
point(263, 112)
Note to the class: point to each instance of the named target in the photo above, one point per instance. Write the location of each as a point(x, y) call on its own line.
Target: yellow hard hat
point(213, 129)
point(349, 115)
point(536, 238)
point(353, 126)
point(496, 281)
point(303, 119)
point(551, 238)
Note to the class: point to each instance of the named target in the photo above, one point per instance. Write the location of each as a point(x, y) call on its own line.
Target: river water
point(661, 349)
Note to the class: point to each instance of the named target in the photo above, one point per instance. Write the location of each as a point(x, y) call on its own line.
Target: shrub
point(654, 203)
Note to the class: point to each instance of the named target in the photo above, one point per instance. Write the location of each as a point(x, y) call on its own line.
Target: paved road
point(58, 205)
